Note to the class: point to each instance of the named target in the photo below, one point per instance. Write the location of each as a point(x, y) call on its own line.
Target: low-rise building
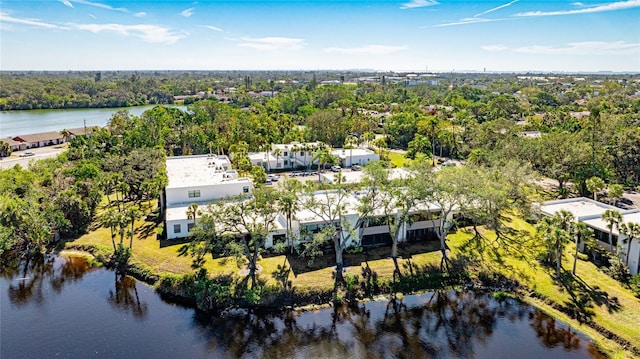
point(40, 139)
point(199, 179)
point(590, 212)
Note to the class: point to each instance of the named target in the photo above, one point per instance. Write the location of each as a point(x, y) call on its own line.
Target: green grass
point(601, 298)
point(607, 302)
point(398, 159)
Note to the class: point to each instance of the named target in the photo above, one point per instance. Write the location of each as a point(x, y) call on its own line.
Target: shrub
point(634, 284)
point(618, 270)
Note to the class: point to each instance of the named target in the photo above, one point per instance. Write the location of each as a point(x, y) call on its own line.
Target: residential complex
point(205, 179)
point(590, 213)
point(300, 155)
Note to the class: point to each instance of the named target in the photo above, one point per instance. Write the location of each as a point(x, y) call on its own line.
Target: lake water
point(13, 123)
point(64, 308)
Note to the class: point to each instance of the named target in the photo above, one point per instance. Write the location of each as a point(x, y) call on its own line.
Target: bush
point(618, 270)
point(634, 284)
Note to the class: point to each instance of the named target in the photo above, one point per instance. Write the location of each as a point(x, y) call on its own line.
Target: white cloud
point(92, 16)
point(368, 49)
point(584, 48)
point(100, 5)
point(212, 28)
point(496, 8)
point(187, 12)
point(140, 14)
point(5, 18)
point(494, 48)
point(621, 5)
point(148, 33)
point(67, 3)
point(467, 21)
point(577, 3)
point(418, 3)
point(272, 43)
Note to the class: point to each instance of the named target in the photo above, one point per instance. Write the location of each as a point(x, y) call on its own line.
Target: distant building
point(14, 145)
point(355, 156)
point(40, 139)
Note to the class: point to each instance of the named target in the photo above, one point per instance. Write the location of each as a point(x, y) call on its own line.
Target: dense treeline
point(585, 129)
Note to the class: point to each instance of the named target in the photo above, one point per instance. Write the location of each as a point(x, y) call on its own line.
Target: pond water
point(65, 308)
point(13, 123)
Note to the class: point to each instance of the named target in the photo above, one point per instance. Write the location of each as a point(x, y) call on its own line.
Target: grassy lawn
point(592, 292)
point(397, 159)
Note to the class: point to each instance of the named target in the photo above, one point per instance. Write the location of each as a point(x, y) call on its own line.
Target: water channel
point(65, 308)
point(13, 123)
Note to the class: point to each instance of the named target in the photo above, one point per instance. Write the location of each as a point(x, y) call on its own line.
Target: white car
point(27, 154)
point(336, 168)
point(273, 178)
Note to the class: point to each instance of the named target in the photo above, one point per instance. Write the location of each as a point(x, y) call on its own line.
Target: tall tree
point(613, 219)
point(595, 185)
point(580, 232)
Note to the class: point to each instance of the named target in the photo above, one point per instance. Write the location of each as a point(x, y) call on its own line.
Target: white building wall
point(184, 225)
point(208, 193)
point(634, 257)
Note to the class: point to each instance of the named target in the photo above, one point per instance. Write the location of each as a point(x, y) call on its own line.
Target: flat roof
point(598, 223)
point(580, 207)
point(200, 170)
point(357, 176)
point(179, 212)
point(346, 152)
point(351, 203)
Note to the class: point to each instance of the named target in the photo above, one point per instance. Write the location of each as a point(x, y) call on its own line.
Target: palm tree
point(564, 219)
point(289, 204)
point(631, 231)
point(613, 218)
point(351, 141)
point(545, 229)
point(580, 231)
point(133, 213)
point(277, 152)
point(595, 185)
point(192, 212)
point(5, 149)
point(558, 239)
point(66, 134)
point(323, 156)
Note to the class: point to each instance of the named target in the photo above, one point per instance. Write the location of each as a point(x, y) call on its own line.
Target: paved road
point(40, 153)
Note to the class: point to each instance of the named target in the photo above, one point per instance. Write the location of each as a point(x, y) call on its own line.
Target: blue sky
point(410, 35)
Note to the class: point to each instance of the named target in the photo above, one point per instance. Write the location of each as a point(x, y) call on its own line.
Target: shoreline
point(605, 341)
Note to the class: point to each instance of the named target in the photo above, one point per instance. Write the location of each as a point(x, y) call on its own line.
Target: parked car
point(356, 168)
point(336, 168)
point(273, 178)
point(27, 154)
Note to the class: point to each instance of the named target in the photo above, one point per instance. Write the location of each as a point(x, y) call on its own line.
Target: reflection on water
point(437, 325)
point(78, 311)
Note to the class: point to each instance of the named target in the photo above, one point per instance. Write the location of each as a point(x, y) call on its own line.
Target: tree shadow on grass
point(584, 297)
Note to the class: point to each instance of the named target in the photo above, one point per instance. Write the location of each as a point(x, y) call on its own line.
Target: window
point(279, 238)
point(176, 228)
point(302, 153)
point(245, 189)
point(285, 153)
point(190, 226)
point(194, 193)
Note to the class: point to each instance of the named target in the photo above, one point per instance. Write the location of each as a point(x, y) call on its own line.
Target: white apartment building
point(199, 179)
point(590, 212)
